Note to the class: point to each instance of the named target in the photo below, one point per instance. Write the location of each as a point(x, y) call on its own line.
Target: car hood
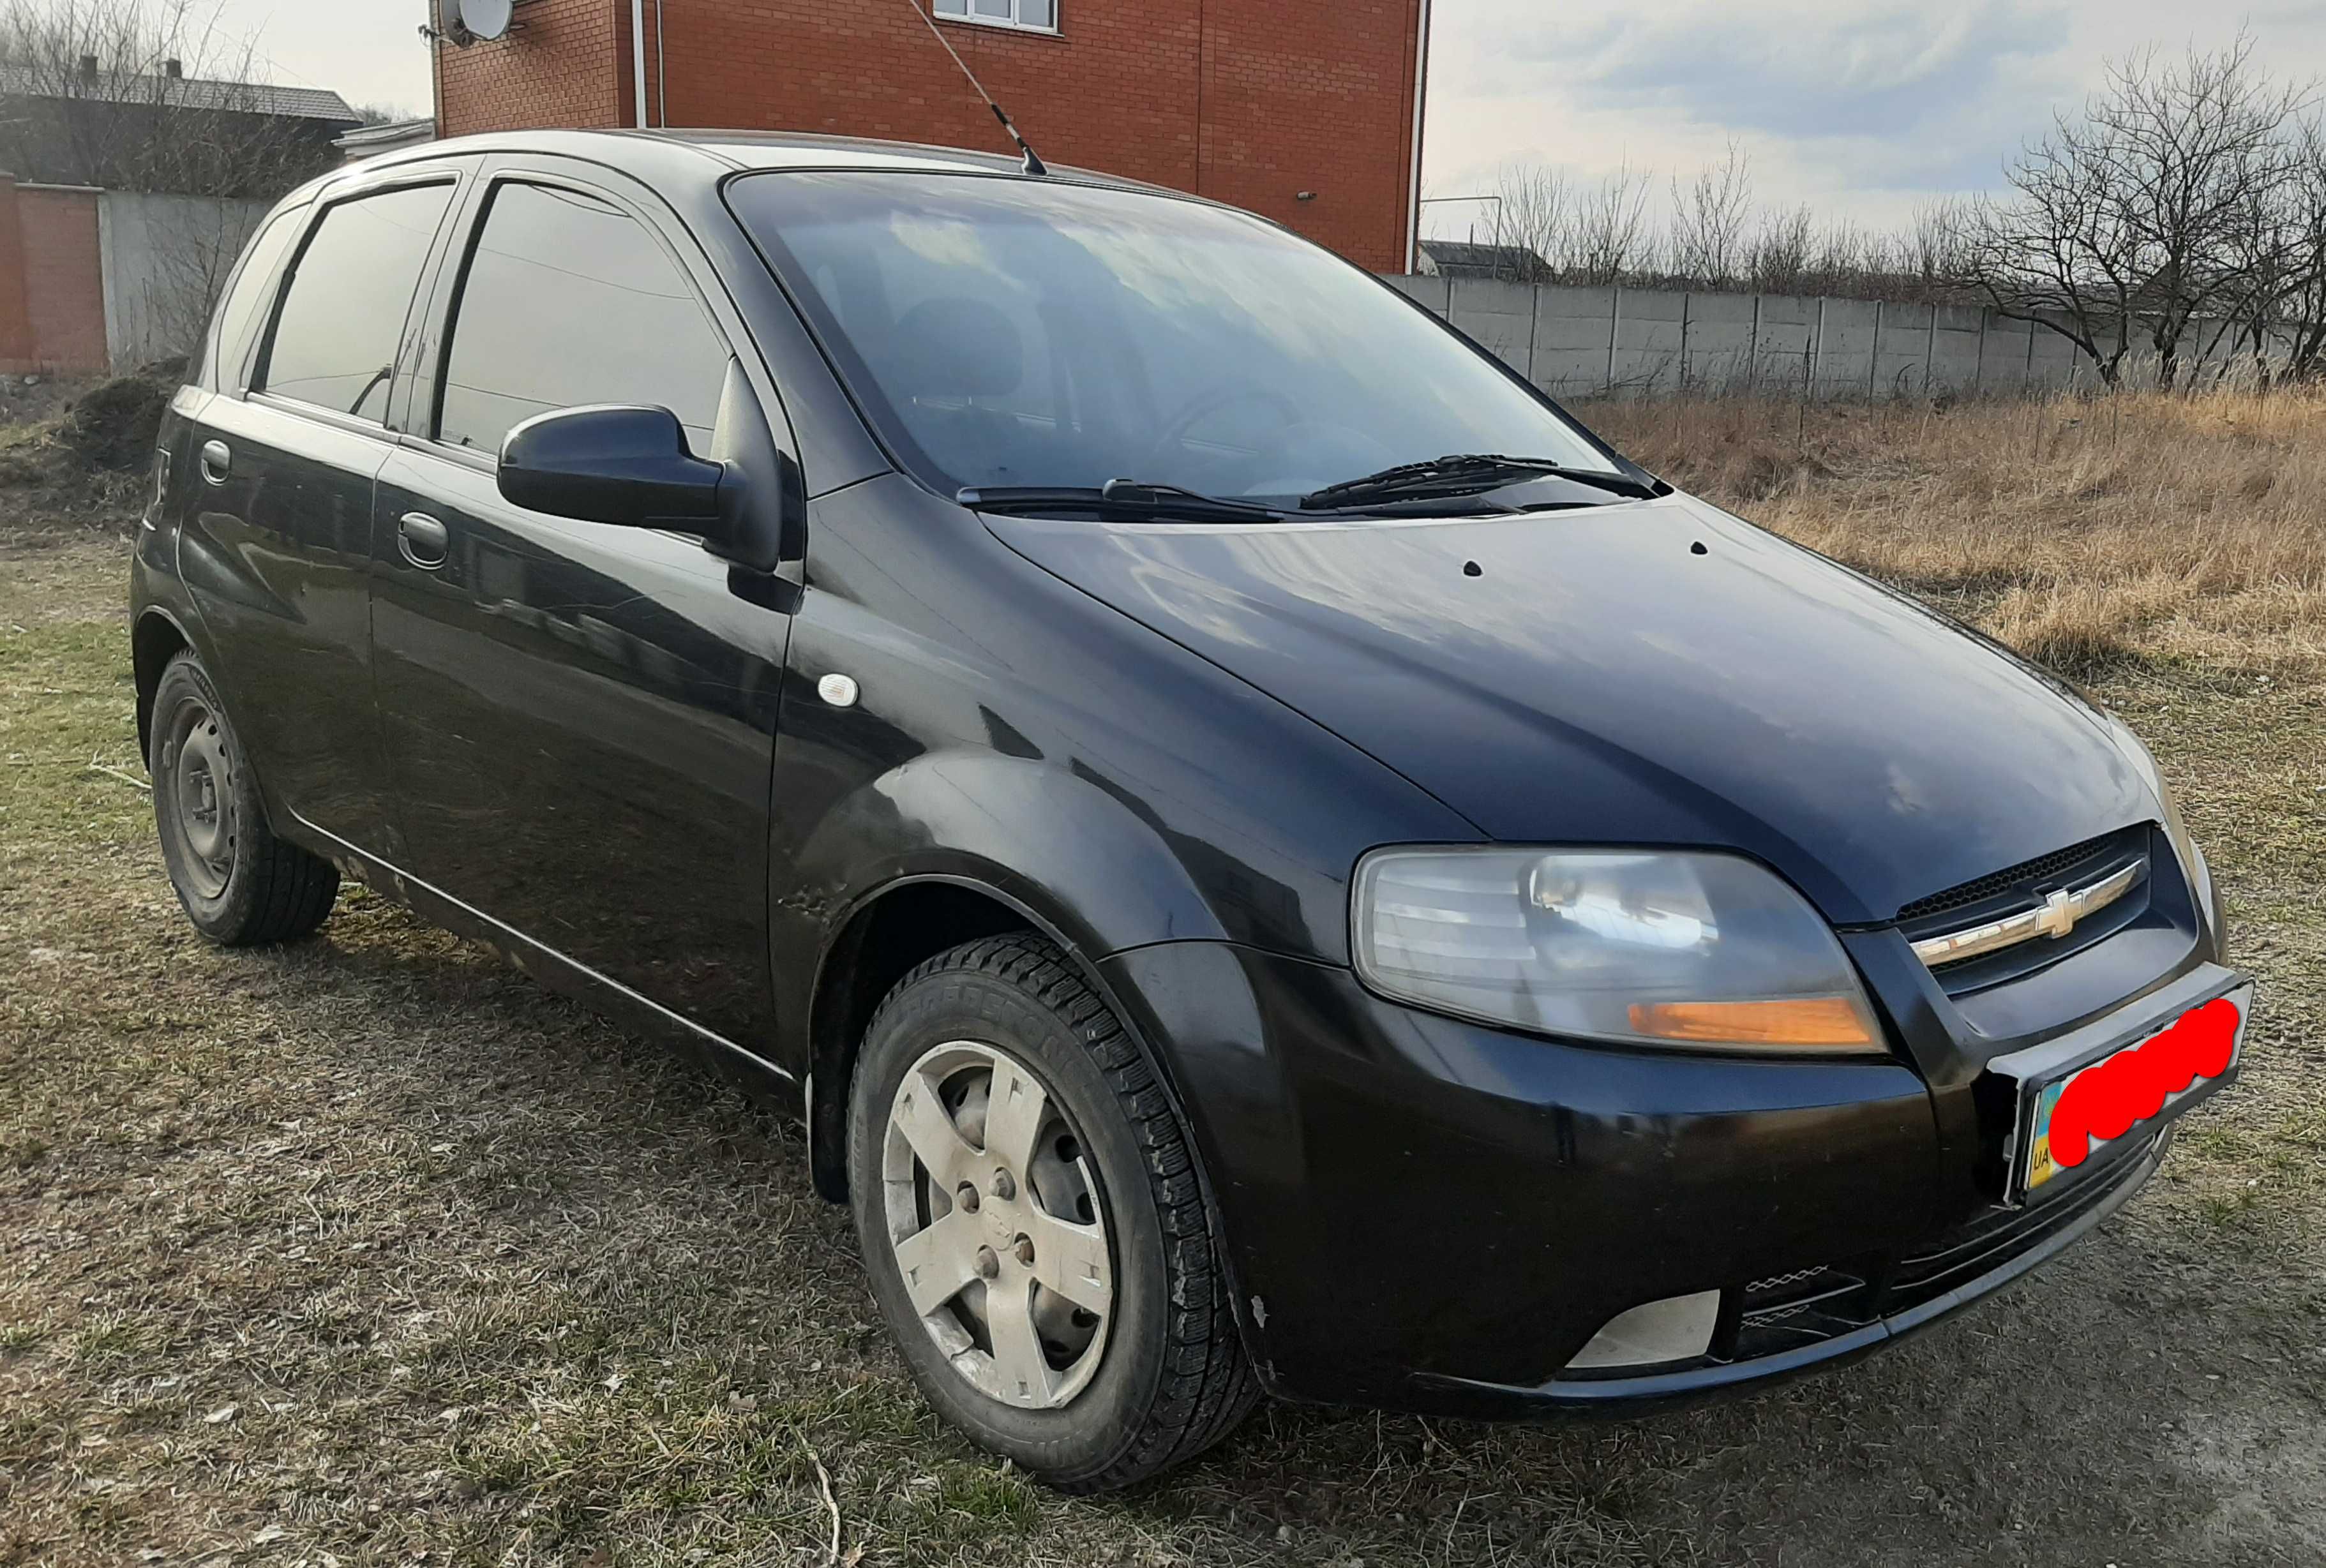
point(1654, 673)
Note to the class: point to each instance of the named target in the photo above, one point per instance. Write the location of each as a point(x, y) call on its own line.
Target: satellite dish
point(486, 19)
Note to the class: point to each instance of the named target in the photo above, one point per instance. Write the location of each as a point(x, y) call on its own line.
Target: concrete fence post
point(1874, 355)
point(1615, 328)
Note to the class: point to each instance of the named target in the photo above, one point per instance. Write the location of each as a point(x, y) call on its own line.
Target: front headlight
point(1704, 952)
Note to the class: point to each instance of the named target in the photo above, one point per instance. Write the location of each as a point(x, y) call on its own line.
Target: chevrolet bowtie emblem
point(2059, 914)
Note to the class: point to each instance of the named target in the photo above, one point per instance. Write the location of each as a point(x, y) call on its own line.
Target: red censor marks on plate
point(2107, 1098)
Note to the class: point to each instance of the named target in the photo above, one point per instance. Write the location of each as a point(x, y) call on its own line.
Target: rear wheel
point(239, 884)
point(1029, 1213)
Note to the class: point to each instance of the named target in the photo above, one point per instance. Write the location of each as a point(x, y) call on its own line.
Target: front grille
point(2044, 868)
point(2022, 888)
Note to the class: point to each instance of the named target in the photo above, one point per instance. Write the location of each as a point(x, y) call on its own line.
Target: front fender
point(1083, 860)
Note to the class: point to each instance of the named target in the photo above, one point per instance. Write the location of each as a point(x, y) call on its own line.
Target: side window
point(570, 302)
point(342, 318)
point(245, 302)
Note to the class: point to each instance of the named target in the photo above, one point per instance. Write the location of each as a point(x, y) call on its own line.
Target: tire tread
point(1208, 1384)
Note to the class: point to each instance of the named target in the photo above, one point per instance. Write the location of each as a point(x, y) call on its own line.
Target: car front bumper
point(1430, 1215)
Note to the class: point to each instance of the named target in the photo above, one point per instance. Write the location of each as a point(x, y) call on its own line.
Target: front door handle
point(218, 461)
point(423, 541)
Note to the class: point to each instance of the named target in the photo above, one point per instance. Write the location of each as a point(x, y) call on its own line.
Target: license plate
point(2134, 1091)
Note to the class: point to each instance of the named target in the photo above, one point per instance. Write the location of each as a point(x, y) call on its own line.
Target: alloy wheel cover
point(994, 1214)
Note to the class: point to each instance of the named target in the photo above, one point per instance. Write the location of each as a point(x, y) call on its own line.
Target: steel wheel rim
point(1013, 1277)
point(198, 781)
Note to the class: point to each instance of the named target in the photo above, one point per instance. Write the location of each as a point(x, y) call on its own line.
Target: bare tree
point(1708, 220)
point(1611, 227)
point(2137, 216)
point(1536, 219)
point(1938, 244)
point(2301, 304)
point(1779, 258)
point(147, 96)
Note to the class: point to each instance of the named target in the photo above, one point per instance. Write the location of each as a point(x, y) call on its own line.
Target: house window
point(1035, 15)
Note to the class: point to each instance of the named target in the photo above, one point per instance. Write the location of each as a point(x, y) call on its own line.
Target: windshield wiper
point(1117, 498)
point(1463, 474)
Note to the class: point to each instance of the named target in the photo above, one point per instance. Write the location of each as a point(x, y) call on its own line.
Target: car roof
point(647, 154)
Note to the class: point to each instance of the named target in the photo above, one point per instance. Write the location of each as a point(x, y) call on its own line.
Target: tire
point(240, 884)
point(1162, 1375)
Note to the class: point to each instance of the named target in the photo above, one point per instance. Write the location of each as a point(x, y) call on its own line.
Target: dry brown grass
point(2085, 533)
point(366, 1252)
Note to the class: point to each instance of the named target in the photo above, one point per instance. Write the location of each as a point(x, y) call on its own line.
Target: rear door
point(582, 717)
point(277, 546)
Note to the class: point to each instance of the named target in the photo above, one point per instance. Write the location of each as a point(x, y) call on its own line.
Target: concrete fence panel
point(1651, 331)
point(1956, 332)
point(1720, 335)
point(1588, 342)
point(2006, 350)
point(1785, 340)
point(165, 262)
point(1902, 350)
point(1845, 355)
point(2054, 363)
point(1427, 291)
point(1500, 316)
point(1574, 339)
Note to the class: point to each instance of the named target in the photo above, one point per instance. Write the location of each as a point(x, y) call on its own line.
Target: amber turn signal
point(1806, 1021)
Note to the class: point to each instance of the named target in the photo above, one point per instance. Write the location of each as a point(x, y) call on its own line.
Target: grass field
point(368, 1251)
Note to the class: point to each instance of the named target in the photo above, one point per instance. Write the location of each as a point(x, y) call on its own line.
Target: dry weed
point(2148, 526)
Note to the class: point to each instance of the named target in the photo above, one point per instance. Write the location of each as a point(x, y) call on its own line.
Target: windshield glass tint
point(1006, 332)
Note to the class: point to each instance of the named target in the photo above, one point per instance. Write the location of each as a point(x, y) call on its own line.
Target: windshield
point(1008, 333)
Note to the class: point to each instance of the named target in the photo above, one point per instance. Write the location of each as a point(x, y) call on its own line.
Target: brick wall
point(569, 64)
point(52, 280)
point(1250, 101)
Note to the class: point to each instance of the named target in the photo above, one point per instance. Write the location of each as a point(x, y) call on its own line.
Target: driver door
point(582, 717)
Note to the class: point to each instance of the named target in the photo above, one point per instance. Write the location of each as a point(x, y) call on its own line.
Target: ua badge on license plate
point(2134, 1089)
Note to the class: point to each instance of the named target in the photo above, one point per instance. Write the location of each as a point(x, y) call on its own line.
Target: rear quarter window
point(244, 306)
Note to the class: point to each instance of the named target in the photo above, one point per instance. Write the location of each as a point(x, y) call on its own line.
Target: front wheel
point(240, 884)
point(1030, 1216)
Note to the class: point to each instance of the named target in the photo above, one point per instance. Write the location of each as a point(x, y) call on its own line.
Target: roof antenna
point(1034, 165)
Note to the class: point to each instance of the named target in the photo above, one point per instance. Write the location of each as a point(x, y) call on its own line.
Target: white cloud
point(368, 51)
point(1863, 108)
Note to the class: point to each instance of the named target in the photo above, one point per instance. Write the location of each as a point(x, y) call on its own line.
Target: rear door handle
point(423, 541)
point(218, 461)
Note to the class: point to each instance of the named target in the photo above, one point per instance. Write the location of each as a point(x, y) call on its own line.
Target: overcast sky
point(1864, 107)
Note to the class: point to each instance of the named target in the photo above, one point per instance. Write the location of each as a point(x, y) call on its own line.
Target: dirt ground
point(368, 1251)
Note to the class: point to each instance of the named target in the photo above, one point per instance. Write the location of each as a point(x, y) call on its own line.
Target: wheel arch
point(885, 935)
point(155, 639)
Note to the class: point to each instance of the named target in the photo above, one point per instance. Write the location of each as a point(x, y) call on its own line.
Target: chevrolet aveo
point(1269, 859)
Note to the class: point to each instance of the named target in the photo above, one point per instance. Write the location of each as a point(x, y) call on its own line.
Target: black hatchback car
point(1268, 858)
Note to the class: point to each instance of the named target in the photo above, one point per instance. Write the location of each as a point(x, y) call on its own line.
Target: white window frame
point(968, 12)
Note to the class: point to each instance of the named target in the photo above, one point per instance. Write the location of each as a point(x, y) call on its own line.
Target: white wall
point(1583, 342)
point(165, 259)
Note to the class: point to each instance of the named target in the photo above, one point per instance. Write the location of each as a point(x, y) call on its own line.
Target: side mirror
point(628, 467)
point(632, 466)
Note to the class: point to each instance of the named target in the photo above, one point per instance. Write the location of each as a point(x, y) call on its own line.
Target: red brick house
point(1307, 111)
